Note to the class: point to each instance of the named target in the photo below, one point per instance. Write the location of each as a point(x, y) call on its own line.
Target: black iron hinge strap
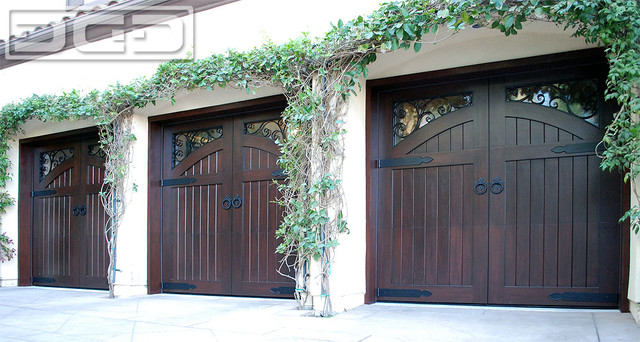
point(289, 290)
point(278, 173)
point(578, 148)
point(405, 161)
point(405, 293)
point(42, 193)
point(178, 286)
point(177, 181)
point(585, 297)
point(43, 280)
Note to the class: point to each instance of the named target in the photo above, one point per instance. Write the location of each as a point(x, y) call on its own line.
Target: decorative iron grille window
point(272, 129)
point(96, 151)
point(52, 159)
point(578, 98)
point(409, 116)
point(185, 143)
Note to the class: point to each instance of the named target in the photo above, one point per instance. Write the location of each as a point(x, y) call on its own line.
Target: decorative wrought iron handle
point(237, 202)
point(497, 185)
point(480, 187)
point(79, 210)
point(226, 203)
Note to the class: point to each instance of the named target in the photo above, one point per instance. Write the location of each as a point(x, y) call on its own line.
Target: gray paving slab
point(163, 332)
point(50, 314)
point(36, 320)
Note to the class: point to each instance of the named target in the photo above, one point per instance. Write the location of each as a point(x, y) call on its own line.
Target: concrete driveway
point(49, 314)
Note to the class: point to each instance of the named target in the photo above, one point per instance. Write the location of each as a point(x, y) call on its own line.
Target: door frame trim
point(156, 123)
point(25, 201)
point(375, 87)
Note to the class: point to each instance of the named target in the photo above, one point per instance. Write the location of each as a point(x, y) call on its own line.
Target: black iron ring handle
point(480, 187)
point(83, 210)
point(76, 211)
point(497, 185)
point(226, 203)
point(237, 202)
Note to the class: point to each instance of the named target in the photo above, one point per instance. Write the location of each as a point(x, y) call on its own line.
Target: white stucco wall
point(634, 263)
point(243, 25)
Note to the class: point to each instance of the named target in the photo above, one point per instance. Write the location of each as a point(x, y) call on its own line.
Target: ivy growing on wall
point(7, 251)
point(318, 75)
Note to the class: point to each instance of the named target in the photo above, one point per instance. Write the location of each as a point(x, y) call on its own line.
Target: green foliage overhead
point(336, 62)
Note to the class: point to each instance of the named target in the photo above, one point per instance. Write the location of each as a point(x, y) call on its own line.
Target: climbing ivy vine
point(317, 76)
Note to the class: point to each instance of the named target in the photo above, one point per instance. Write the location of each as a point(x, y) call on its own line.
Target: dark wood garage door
point(219, 218)
point(69, 245)
point(495, 193)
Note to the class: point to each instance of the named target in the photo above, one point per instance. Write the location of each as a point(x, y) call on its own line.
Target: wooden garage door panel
point(53, 256)
point(68, 217)
point(97, 258)
point(552, 222)
point(196, 239)
point(430, 221)
point(548, 225)
point(219, 229)
point(547, 213)
point(431, 234)
point(258, 218)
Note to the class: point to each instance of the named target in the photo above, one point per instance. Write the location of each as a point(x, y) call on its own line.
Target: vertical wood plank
point(432, 145)
point(431, 240)
point(510, 132)
point(255, 224)
point(537, 133)
point(180, 227)
point(564, 136)
point(444, 141)
point(550, 134)
point(407, 222)
point(523, 231)
point(551, 222)
point(457, 138)
point(511, 223)
point(420, 210)
point(456, 224)
point(467, 227)
point(565, 220)
point(444, 225)
point(536, 264)
point(579, 267)
point(593, 221)
point(523, 132)
point(263, 212)
point(396, 226)
point(422, 148)
point(467, 136)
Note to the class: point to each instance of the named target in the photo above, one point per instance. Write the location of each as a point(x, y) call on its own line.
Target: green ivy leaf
point(509, 20)
point(539, 12)
point(443, 13)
